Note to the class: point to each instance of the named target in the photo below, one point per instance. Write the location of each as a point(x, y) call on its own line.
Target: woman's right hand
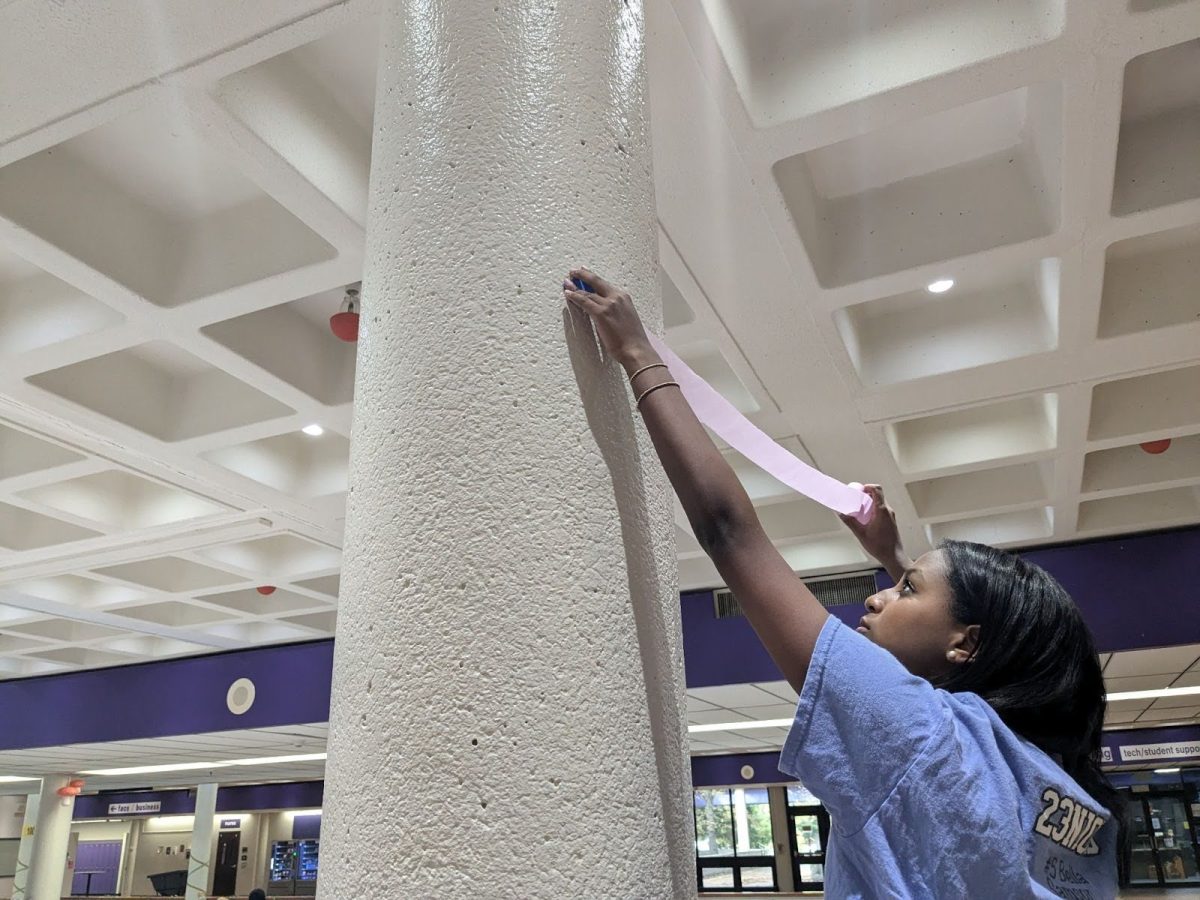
point(880, 537)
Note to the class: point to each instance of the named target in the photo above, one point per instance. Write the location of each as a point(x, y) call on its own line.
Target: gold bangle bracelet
point(650, 390)
point(646, 369)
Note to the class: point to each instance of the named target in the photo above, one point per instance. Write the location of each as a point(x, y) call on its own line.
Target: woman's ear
point(964, 646)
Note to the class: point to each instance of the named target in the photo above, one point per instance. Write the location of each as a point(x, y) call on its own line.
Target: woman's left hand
point(617, 322)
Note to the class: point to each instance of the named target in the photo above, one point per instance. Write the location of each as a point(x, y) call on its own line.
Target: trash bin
point(169, 884)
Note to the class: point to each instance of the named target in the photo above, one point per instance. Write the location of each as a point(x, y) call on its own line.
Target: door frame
point(1144, 798)
point(799, 859)
point(225, 836)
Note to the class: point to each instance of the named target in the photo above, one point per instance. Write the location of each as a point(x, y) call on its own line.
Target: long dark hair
point(1035, 665)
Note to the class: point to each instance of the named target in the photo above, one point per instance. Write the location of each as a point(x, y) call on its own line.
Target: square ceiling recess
point(791, 60)
point(161, 391)
point(1131, 466)
point(954, 496)
point(277, 603)
point(315, 107)
point(37, 310)
point(1146, 404)
point(170, 574)
point(1151, 282)
point(22, 453)
point(77, 591)
point(21, 529)
point(293, 342)
point(1134, 512)
point(976, 436)
point(297, 464)
point(1001, 529)
point(279, 556)
point(1160, 130)
point(145, 201)
point(121, 500)
point(929, 189)
point(979, 321)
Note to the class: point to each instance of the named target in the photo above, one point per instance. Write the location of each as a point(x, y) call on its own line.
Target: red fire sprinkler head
point(266, 589)
point(344, 324)
point(1156, 447)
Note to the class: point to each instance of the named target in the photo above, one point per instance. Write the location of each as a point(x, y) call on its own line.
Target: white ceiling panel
point(154, 388)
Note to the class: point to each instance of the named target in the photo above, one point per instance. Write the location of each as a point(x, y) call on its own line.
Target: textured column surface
point(25, 848)
point(505, 716)
point(51, 836)
point(199, 862)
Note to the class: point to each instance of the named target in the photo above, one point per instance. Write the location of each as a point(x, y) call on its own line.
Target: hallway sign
point(1149, 752)
point(133, 809)
point(1150, 745)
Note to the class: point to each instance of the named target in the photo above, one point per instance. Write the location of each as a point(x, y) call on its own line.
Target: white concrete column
point(741, 818)
point(508, 662)
point(51, 838)
point(131, 852)
point(200, 858)
point(25, 847)
point(783, 842)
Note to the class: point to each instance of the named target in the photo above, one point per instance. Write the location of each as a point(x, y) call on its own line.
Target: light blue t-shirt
point(931, 795)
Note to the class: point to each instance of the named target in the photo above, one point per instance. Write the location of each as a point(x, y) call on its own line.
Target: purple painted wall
point(233, 798)
point(1143, 746)
point(183, 696)
point(718, 771)
point(306, 828)
point(1134, 592)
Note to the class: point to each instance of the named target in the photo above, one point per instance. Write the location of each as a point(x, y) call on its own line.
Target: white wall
point(162, 832)
point(161, 848)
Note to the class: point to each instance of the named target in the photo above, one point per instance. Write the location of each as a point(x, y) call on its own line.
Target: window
point(735, 848)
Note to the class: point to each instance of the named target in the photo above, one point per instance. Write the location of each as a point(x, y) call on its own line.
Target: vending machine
point(281, 878)
point(307, 858)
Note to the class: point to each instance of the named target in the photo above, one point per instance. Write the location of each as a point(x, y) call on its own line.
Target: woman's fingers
point(594, 281)
point(587, 302)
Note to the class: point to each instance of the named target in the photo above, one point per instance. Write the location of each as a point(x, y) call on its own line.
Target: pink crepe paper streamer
point(743, 436)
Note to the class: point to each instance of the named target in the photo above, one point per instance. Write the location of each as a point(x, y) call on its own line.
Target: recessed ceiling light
point(940, 286)
point(1166, 771)
point(313, 430)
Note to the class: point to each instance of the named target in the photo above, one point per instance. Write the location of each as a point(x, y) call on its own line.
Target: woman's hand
point(617, 322)
point(881, 537)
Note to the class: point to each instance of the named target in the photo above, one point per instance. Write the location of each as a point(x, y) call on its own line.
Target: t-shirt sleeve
point(861, 722)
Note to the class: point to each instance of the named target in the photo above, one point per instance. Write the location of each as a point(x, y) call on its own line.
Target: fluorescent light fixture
point(313, 430)
point(742, 726)
point(940, 286)
point(9, 779)
point(787, 723)
point(1154, 695)
point(303, 812)
point(1166, 771)
point(221, 764)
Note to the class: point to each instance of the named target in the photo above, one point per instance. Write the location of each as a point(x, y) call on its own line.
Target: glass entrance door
point(808, 832)
point(1164, 840)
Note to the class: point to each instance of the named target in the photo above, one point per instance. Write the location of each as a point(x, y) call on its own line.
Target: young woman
point(954, 736)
